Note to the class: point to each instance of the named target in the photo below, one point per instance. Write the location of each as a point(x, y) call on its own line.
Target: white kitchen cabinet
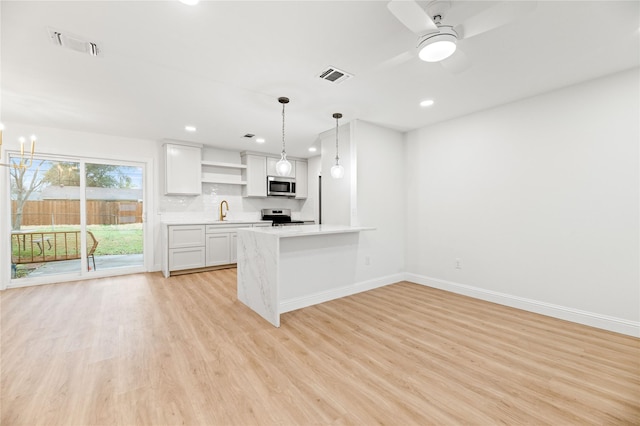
point(186, 258)
point(218, 249)
point(262, 224)
point(196, 247)
point(182, 169)
point(186, 236)
point(222, 244)
point(186, 247)
point(271, 167)
point(255, 175)
point(302, 187)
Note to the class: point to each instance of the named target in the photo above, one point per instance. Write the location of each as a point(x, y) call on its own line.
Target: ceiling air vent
point(334, 75)
point(74, 42)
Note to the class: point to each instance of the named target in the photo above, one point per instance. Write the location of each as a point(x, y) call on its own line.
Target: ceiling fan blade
point(494, 17)
point(397, 60)
point(456, 63)
point(412, 16)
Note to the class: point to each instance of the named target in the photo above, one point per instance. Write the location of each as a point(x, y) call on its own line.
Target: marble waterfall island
point(281, 269)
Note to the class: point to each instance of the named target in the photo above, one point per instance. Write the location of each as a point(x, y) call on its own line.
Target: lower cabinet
point(193, 247)
point(186, 247)
point(222, 245)
point(186, 258)
point(218, 252)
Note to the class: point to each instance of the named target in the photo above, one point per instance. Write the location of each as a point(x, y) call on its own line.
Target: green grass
point(112, 239)
point(117, 239)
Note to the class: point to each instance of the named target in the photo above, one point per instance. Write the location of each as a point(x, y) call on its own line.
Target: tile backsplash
point(206, 206)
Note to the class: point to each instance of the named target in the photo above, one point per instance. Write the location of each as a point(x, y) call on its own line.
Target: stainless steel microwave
point(281, 186)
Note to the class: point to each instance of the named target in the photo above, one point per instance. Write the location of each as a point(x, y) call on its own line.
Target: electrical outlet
point(458, 263)
point(367, 261)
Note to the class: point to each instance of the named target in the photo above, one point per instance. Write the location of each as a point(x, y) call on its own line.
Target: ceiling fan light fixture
point(436, 47)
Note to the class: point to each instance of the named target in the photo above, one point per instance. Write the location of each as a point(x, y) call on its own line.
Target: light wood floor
point(142, 349)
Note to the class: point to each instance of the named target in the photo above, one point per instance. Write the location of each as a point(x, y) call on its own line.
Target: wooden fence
point(67, 212)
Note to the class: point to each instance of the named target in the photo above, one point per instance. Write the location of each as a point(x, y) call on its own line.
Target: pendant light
point(283, 166)
point(337, 171)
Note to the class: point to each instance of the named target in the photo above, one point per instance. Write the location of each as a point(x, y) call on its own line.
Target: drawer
point(186, 258)
point(186, 236)
point(262, 225)
point(217, 229)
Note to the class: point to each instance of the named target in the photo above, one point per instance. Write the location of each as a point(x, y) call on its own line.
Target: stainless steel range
point(280, 217)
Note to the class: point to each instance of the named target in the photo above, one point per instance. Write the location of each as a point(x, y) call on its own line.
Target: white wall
point(311, 208)
point(381, 200)
point(336, 193)
point(539, 199)
point(368, 196)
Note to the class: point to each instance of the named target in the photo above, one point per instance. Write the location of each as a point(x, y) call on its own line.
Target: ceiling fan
point(437, 40)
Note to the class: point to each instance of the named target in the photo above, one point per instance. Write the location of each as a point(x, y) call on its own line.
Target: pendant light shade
point(283, 166)
point(337, 171)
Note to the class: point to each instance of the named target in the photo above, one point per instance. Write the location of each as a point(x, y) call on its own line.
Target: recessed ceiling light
point(189, 2)
point(426, 103)
point(190, 128)
point(312, 149)
point(260, 140)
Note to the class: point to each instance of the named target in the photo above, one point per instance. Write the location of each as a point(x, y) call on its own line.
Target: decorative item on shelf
point(283, 166)
point(24, 162)
point(337, 171)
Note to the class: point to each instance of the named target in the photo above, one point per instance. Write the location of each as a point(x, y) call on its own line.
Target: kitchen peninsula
point(281, 269)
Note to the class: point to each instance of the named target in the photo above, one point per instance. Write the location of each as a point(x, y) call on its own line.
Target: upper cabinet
point(259, 166)
point(255, 175)
point(271, 167)
point(182, 169)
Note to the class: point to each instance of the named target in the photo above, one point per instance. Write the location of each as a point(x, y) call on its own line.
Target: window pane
point(114, 215)
point(45, 218)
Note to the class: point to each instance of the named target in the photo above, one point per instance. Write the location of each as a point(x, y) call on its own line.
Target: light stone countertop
point(211, 222)
point(307, 230)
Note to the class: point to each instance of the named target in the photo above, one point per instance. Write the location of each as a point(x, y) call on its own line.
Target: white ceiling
point(221, 65)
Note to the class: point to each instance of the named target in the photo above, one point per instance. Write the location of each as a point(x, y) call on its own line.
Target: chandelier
point(25, 162)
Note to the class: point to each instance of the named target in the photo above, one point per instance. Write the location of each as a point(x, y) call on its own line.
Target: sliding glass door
point(45, 218)
point(114, 215)
point(75, 216)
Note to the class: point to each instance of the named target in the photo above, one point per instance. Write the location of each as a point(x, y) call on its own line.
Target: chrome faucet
point(223, 215)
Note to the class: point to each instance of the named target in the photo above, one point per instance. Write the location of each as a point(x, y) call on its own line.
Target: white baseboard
point(313, 299)
point(618, 325)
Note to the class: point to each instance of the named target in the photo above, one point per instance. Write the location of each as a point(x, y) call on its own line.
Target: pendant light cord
point(283, 128)
point(337, 156)
point(337, 116)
